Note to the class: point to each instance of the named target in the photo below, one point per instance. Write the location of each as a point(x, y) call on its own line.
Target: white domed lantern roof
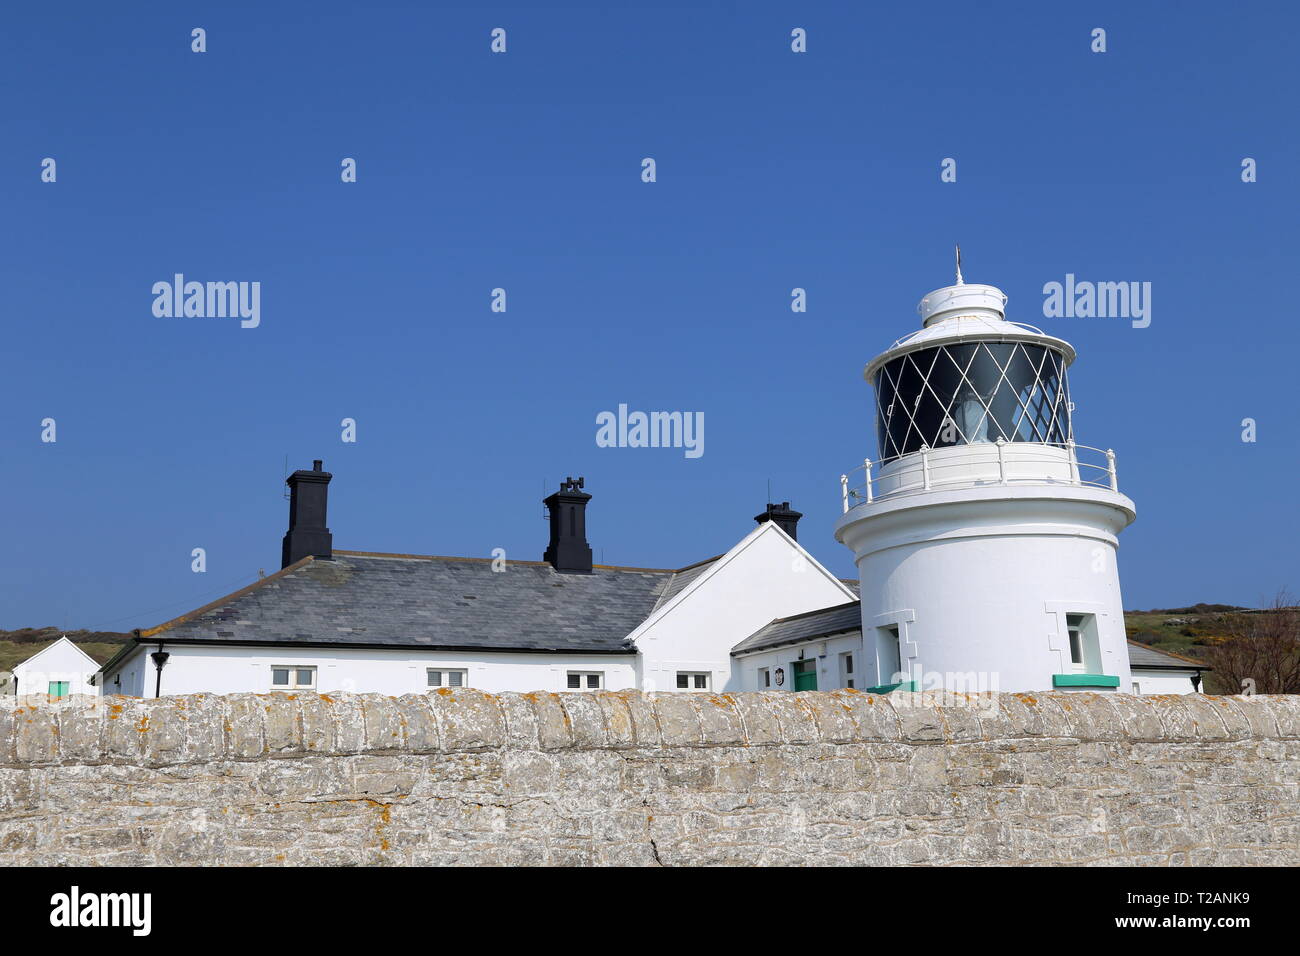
point(970, 377)
point(962, 299)
point(954, 314)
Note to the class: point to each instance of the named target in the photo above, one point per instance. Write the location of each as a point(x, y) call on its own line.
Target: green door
point(58, 688)
point(805, 675)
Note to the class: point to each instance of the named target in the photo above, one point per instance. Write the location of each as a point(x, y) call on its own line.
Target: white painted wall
point(765, 576)
point(61, 661)
point(979, 581)
point(828, 652)
point(195, 669)
point(1164, 681)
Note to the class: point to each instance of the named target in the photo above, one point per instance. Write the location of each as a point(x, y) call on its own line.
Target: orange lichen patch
point(114, 711)
point(444, 691)
point(1027, 698)
point(229, 729)
point(144, 723)
point(327, 698)
point(291, 696)
point(279, 858)
point(805, 707)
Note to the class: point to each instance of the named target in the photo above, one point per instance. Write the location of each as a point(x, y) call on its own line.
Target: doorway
point(805, 675)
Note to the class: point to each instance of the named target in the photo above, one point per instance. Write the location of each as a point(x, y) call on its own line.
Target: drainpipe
point(159, 658)
point(1196, 682)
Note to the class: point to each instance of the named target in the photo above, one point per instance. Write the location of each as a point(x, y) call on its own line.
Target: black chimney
point(786, 518)
point(568, 551)
point(308, 496)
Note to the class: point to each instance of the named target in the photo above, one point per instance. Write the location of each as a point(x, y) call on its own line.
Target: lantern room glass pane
point(971, 393)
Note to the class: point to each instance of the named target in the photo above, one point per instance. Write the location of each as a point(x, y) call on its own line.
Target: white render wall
point(195, 669)
point(1164, 681)
point(61, 661)
point(764, 577)
point(827, 651)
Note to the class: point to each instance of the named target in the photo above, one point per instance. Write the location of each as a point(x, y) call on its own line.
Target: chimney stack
point(308, 497)
point(568, 551)
point(786, 518)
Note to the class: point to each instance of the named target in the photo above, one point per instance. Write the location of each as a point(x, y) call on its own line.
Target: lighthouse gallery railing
point(996, 463)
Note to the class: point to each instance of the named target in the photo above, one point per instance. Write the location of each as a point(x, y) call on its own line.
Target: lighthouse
point(985, 537)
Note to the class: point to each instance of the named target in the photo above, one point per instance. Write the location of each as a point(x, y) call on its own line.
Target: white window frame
point(765, 678)
point(584, 680)
point(293, 670)
point(442, 673)
point(1080, 636)
point(693, 680)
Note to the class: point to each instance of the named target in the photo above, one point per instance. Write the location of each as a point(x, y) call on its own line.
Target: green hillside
point(1179, 630)
point(17, 646)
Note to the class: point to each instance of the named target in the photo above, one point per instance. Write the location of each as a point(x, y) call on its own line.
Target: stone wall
point(630, 778)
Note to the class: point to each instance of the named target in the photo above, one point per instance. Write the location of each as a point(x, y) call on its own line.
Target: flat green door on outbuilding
point(805, 675)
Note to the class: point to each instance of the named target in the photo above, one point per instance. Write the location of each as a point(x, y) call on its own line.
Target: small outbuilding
point(60, 669)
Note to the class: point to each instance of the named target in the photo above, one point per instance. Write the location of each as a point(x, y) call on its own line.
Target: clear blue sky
point(522, 170)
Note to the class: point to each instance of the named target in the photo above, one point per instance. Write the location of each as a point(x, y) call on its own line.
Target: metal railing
point(1004, 463)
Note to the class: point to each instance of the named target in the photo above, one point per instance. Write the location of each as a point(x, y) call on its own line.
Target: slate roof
point(1139, 655)
point(369, 600)
point(840, 619)
point(682, 578)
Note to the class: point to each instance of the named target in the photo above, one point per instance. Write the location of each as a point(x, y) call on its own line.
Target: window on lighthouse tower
point(1085, 655)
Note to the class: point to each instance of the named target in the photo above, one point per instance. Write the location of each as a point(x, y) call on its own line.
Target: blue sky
point(523, 171)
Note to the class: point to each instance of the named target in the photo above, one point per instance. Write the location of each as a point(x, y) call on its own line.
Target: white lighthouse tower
point(985, 538)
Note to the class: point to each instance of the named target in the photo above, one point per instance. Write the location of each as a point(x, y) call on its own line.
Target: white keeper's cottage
point(984, 536)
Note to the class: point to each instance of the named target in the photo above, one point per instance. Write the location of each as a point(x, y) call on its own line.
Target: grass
point(17, 646)
point(1178, 630)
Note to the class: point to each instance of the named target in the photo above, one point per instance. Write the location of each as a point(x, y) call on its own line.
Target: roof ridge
point(454, 557)
point(691, 567)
